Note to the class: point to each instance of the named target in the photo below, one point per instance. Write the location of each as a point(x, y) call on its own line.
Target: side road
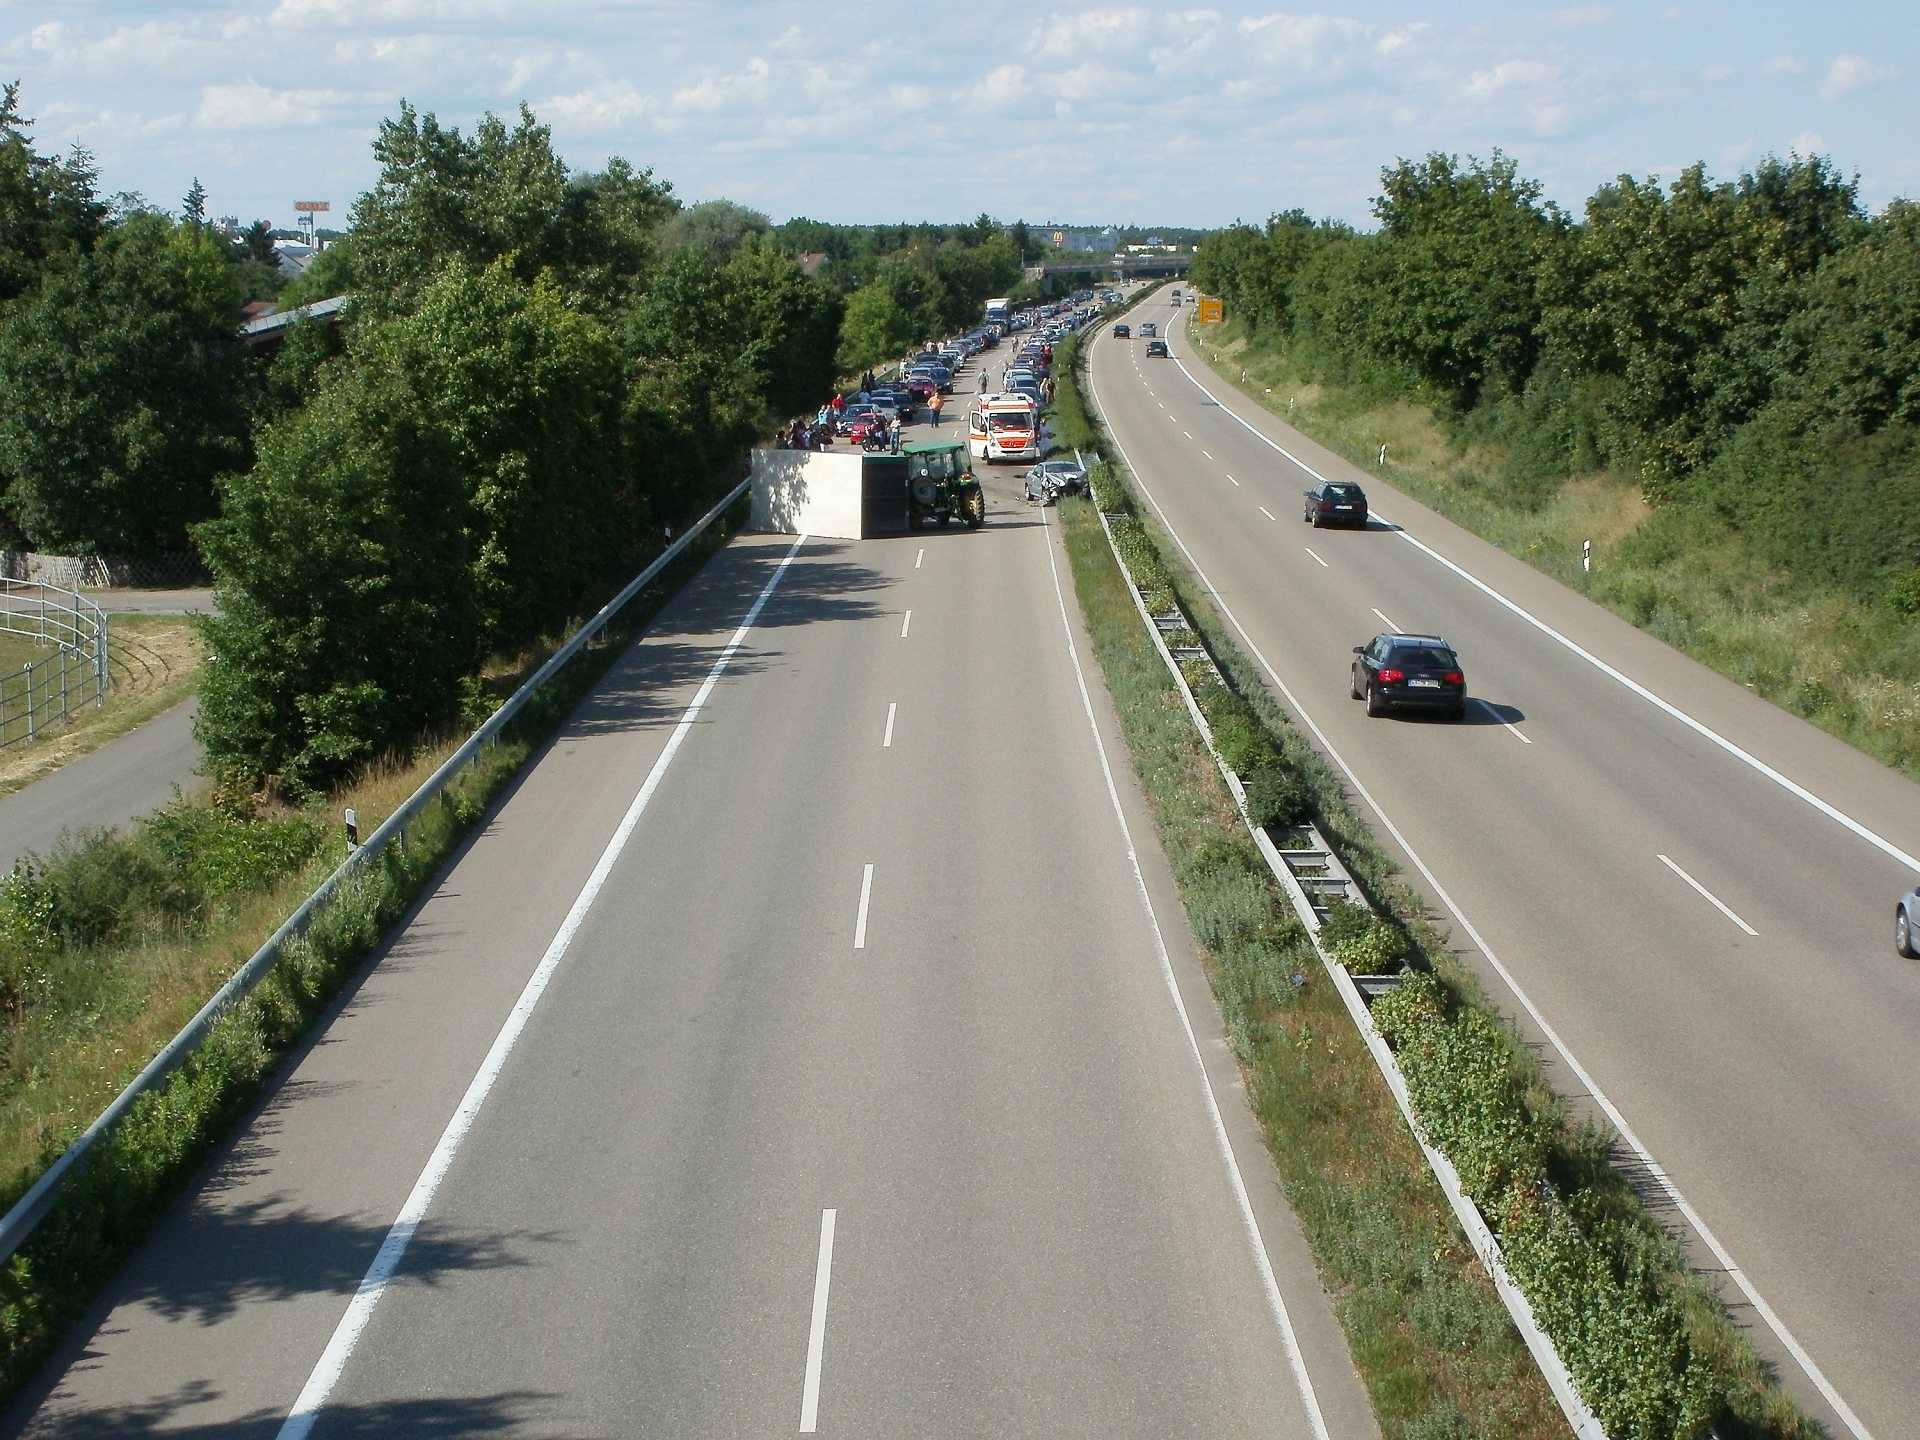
point(123, 780)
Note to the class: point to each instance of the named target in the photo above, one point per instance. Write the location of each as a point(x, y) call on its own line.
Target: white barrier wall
point(807, 492)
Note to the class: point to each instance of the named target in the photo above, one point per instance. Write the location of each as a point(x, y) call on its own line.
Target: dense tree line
point(1748, 347)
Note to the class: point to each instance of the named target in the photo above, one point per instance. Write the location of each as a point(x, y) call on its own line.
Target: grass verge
point(71, 1044)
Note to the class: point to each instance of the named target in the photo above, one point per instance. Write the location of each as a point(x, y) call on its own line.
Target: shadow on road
point(509, 1411)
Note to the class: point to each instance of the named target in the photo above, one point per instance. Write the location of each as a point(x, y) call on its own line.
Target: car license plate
point(1424, 684)
point(1343, 507)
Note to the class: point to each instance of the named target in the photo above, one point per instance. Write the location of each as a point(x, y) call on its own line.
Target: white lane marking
point(1501, 719)
point(1208, 454)
point(1388, 623)
point(1276, 1305)
point(1706, 732)
point(1707, 895)
point(817, 1331)
point(1323, 564)
point(919, 557)
point(1236, 482)
point(905, 621)
point(333, 1360)
point(1619, 1121)
point(1187, 433)
point(860, 920)
point(886, 742)
point(1266, 512)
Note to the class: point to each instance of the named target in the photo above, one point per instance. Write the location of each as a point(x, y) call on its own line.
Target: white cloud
point(1716, 72)
point(1584, 16)
point(597, 108)
point(1099, 32)
point(249, 106)
point(1807, 143)
point(1510, 76)
point(1003, 84)
point(723, 92)
point(1848, 71)
point(1782, 65)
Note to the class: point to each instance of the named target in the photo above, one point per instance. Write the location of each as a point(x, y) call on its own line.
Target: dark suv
point(1335, 502)
point(1409, 672)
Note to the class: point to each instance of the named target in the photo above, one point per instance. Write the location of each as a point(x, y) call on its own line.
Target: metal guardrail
point(44, 692)
point(32, 1207)
point(1546, 1355)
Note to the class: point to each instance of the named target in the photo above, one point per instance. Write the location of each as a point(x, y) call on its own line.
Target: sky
point(1053, 113)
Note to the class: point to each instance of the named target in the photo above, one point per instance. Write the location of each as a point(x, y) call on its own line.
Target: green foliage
point(502, 196)
point(1345, 922)
point(1462, 1079)
point(122, 391)
point(1278, 794)
point(1418, 1001)
point(714, 230)
point(1439, 223)
point(344, 566)
point(101, 888)
point(1377, 950)
point(48, 208)
point(527, 394)
point(1604, 1287)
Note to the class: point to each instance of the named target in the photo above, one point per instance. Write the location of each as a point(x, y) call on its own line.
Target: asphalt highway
point(1681, 892)
point(808, 1043)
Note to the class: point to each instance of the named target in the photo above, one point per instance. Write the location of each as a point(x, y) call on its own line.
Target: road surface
point(854, 1091)
point(1633, 844)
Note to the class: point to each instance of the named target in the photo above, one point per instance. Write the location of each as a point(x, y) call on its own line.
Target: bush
point(1460, 1077)
point(1417, 1001)
point(1278, 794)
point(1345, 921)
point(1377, 950)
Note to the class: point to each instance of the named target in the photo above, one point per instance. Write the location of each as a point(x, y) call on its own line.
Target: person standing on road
point(933, 407)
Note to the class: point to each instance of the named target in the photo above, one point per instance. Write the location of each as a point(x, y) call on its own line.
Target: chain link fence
point(47, 688)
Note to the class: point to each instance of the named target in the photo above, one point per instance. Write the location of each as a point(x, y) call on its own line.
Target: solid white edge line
point(1619, 1121)
point(886, 742)
point(817, 1330)
point(1707, 895)
point(860, 920)
point(333, 1360)
point(1250, 1223)
point(905, 621)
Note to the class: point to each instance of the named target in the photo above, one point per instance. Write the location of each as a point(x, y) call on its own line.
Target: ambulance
point(1003, 427)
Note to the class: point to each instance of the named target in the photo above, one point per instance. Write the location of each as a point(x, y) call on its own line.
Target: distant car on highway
point(1409, 672)
point(1906, 924)
point(1335, 502)
point(1149, 329)
point(1123, 332)
point(1157, 350)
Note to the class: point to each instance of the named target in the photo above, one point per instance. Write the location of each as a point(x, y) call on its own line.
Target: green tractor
point(940, 485)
